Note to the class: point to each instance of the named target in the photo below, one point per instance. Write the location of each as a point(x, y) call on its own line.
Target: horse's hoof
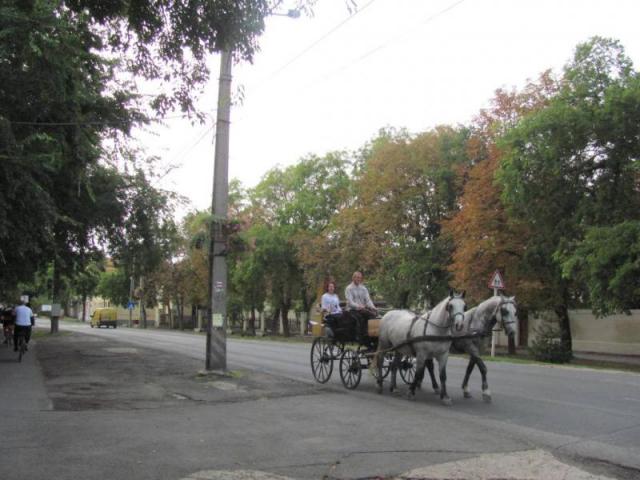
point(436, 391)
point(446, 401)
point(466, 394)
point(486, 396)
point(379, 390)
point(411, 395)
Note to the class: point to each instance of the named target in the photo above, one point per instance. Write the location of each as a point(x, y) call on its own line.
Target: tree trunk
point(252, 322)
point(284, 313)
point(170, 315)
point(565, 327)
point(275, 322)
point(180, 305)
point(55, 295)
point(84, 306)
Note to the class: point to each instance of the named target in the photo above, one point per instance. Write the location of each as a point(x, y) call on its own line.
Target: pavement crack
point(346, 456)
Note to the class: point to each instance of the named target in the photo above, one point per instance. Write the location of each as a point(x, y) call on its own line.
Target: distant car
point(107, 317)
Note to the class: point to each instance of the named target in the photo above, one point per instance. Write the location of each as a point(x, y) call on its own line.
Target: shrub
point(548, 347)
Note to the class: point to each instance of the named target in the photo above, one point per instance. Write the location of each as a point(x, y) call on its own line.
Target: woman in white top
point(330, 306)
point(330, 303)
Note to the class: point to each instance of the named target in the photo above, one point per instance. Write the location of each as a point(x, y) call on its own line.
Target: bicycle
point(8, 335)
point(22, 346)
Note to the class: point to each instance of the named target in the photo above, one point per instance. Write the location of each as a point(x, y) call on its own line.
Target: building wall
point(614, 334)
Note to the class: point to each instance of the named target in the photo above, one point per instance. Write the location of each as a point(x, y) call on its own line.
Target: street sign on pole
point(496, 281)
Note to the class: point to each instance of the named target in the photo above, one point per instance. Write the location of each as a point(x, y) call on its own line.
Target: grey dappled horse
point(480, 320)
point(399, 327)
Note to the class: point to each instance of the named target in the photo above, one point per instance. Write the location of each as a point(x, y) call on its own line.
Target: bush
point(548, 347)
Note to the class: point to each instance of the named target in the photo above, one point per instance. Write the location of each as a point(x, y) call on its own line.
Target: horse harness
point(498, 307)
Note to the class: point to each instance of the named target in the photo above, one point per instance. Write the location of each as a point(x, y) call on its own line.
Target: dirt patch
point(87, 373)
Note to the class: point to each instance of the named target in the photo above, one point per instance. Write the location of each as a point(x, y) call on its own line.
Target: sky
point(332, 81)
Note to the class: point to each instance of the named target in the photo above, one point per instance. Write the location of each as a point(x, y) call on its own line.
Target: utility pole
point(216, 355)
point(130, 305)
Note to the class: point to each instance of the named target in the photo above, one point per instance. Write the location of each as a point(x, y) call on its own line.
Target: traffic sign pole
point(497, 284)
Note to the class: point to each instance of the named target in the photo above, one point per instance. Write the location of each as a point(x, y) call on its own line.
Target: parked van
point(104, 316)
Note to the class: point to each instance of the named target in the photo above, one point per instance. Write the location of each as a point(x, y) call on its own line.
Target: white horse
point(480, 320)
point(401, 330)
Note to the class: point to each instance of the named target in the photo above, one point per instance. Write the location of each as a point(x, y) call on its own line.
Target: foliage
point(548, 347)
point(607, 261)
point(404, 188)
point(114, 286)
point(168, 41)
point(485, 237)
point(573, 165)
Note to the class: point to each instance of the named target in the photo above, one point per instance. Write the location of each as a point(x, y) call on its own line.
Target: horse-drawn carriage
point(336, 341)
point(408, 343)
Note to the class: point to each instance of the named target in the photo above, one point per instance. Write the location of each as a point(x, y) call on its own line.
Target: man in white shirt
point(24, 321)
point(359, 305)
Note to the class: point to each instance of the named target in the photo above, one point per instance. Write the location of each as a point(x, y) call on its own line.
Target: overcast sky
point(330, 82)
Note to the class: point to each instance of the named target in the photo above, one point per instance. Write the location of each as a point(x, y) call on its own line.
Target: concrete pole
point(216, 354)
point(493, 331)
point(130, 307)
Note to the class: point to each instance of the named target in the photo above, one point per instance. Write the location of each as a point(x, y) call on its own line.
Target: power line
point(384, 45)
point(96, 122)
point(316, 42)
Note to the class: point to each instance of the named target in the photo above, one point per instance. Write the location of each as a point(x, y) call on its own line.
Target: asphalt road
point(592, 405)
point(577, 412)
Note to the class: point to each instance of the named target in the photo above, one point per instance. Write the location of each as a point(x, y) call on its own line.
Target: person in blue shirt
point(24, 321)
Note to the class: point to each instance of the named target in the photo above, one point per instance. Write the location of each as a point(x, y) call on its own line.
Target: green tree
point(405, 186)
point(607, 261)
point(573, 165)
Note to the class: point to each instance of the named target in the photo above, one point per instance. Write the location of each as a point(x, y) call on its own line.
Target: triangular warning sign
point(496, 281)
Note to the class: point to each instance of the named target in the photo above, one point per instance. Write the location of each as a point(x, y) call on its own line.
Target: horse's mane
point(480, 312)
point(435, 311)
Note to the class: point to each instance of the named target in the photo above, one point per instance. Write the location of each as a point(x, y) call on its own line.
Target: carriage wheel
point(322, 359)
point(386, 366)
point(407, 369)
point(350, 369)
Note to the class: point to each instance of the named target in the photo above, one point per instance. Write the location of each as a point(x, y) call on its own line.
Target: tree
point(404, 188)
point(58, 100)
point(573, 165)
point(485, 237)
point(168, 41)
point(289, 210)
point(147, 236)
point(607, 261)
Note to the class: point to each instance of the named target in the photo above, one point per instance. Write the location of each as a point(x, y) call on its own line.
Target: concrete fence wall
point(615, 334)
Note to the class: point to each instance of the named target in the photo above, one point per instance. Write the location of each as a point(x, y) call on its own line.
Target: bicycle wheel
point(350, 369)
point(21, 348)
point(407, 369)
point(321, 359)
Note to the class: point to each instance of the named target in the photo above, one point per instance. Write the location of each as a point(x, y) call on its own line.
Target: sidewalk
point(90, 407)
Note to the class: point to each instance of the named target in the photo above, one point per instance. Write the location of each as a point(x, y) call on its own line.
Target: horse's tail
point(374, 362)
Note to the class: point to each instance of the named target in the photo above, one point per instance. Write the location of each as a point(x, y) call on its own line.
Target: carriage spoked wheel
point(386, 366)
point(407, 369)
point(350, 368)
point(322, 355)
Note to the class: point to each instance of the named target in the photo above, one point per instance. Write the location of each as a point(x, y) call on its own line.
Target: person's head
point(357, 278)
point(331, 287)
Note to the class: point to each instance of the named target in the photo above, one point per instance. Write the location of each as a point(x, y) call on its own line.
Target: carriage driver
point(359, 305)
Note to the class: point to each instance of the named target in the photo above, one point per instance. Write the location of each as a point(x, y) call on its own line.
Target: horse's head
point(455, 309)
point(507, 314)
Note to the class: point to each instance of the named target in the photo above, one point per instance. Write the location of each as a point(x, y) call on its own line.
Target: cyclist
point(24, 320)
point(6, 315)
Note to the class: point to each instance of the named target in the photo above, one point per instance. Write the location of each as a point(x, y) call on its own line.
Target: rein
point(428, 338)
